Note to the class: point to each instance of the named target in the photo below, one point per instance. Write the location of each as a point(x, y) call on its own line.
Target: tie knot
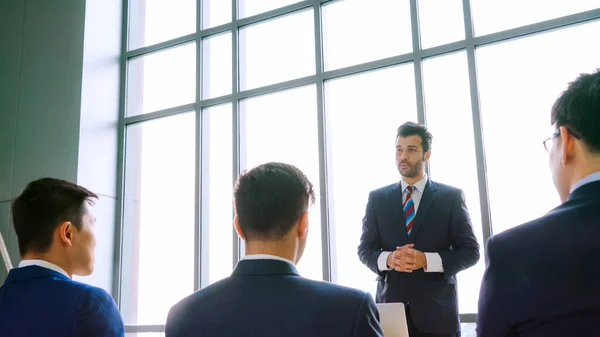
point(409, 189)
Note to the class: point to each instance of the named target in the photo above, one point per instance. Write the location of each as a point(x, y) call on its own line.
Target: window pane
point(383, 30)
point(145, 334)
point(154, 21)
point(448, 102)
point(283, 127)
point(217, 184)
point(252, 7)
point(216, 59)
point(519, 80)
point(441, 22)
point(361, 136)
point(493, 16)
point(277, 50)
point(215, 13)
point(159, 201)
point(161, 80)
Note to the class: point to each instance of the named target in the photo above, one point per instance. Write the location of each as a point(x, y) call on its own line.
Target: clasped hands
point(406, 259)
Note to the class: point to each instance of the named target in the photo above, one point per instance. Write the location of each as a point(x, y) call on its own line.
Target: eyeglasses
point(548, 141)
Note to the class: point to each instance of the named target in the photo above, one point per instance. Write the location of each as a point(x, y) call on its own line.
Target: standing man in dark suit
point(265, 296)
point(55, 229)
point(417, 235)
point(543, 277)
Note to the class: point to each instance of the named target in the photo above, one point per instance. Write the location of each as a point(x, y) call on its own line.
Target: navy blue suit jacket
point(36, 302)
point(442, 225)
point(543, 277)
point(267, 298)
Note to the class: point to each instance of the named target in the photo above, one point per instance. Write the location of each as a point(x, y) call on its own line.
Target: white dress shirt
point(267, 257)
point(434, 260)
point(43, 264)
point(586, 180)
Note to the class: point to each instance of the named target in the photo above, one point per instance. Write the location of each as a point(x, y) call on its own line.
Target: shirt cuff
point(382, 261)
point(434, 263)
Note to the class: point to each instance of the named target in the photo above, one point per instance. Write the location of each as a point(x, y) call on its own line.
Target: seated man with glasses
point(543, 277)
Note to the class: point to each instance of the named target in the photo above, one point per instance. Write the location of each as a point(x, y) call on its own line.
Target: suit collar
point(422, 185)
point(589, 190)
point(33, 272)
point(419, 185)
point(264, 267)
point(44, 264)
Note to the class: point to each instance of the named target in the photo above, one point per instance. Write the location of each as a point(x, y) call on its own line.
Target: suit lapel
point(427, 199)
point(395, 205)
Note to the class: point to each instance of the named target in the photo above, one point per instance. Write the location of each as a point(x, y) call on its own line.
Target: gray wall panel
point(50, 91)
point(11, 37)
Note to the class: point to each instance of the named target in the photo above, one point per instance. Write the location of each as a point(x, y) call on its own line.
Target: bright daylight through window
point(216, 87)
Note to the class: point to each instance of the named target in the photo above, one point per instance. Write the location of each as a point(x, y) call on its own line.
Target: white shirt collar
point(589, 179)
point(267, 257)
point(43, 264)
point(420, 185)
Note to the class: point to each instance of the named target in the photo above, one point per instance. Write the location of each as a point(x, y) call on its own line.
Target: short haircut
point(411, 129)
point(578, 109)
point(269, 200)
point(43, 205)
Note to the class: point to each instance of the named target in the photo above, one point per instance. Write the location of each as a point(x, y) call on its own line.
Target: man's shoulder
point(323, 288)
point(441, 187)
point(384, 189)
point(308, 289)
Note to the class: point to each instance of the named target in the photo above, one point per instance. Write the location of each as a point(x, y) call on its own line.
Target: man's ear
point(427, 155)
point(567, 145)
point(303, 225)
point(238, 229)
point(65, 232)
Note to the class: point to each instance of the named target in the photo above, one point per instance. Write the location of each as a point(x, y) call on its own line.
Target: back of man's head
point(578, 109)
point(49, 205)
point(270, 199)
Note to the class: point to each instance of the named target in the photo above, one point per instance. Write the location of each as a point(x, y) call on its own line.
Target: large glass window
point(161, 80)
point(383, 30)
point(217, 186)
point(324, 85)
point(493, 16)
point(453, 162)
point(283, 127)
point(361, 135)
point(519, 80)
point(154, 21)
point(158, 239)
point(277, 50)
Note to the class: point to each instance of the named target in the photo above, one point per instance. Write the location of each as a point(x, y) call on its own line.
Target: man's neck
point(590, 167)
point(414, 180)
point(50, 258)
point(271, 248)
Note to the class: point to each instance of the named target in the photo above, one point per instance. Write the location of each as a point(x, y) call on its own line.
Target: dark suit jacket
point(267, 298)
point(441, 225)
point(36, 301)
point(543, 277)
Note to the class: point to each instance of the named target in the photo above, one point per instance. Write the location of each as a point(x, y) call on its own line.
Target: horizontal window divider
point(159, 114)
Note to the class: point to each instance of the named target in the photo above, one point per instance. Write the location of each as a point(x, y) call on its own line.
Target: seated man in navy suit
point(543, 277)
point(265, 296)
point(54, 224)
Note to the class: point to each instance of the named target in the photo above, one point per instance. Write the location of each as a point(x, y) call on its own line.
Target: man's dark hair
point(578, 109)
point(43, 205)
point(410, 129)
point(269, 200)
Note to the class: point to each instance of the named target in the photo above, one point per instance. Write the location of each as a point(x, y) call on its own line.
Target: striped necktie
point(409, 209)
